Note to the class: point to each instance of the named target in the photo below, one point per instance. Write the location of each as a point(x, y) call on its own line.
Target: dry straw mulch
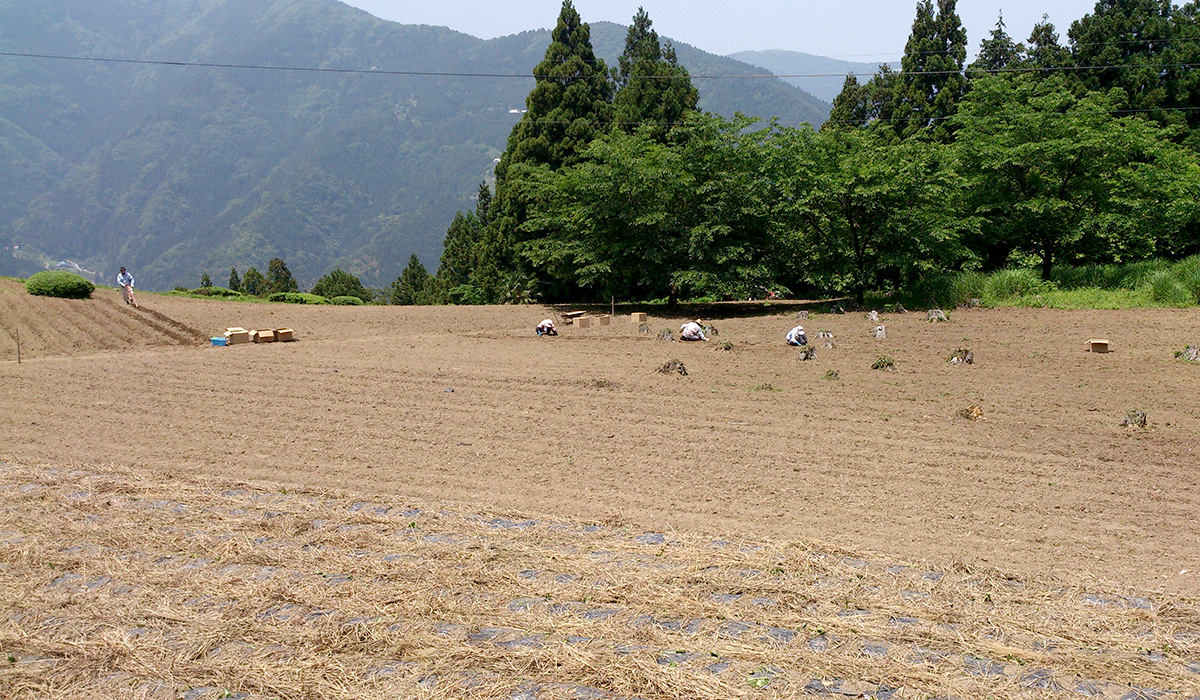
point(133, 584)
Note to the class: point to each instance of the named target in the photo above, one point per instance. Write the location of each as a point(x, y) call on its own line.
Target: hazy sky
point(854, 30)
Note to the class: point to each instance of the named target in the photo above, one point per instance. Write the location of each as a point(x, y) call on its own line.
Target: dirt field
point(464, 408)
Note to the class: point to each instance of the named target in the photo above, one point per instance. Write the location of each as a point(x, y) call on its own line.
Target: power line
point(526, 76)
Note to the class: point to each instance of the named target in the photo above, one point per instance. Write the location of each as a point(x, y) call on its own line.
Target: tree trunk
point(1047, 260)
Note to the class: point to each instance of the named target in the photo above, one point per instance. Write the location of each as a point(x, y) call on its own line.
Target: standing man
point(125, 282)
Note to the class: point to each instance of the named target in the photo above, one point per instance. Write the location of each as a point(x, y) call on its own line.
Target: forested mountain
point(822, 77)
point(174, 170)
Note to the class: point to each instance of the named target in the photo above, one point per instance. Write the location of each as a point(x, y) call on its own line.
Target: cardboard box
point(605, 320)
point(637, 317)
point(263, 336)
point(235, 329)
point(584, 321)
point(284, 335)
point(233, 337)
point(1098, 345)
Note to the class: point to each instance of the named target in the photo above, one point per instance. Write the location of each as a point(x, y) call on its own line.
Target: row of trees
point(414, 286)
point(1036, 154)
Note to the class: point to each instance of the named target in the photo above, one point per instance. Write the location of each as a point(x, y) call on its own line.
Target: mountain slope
point(818, 75)
point(175, 170)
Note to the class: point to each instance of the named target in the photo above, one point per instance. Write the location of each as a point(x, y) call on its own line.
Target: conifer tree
point(997, 52)
point(279, 277)
point(932, 79)
point(654, 92)
point(1044, 50)
point(235, 282)
point(571, 104)
point(1129, 44)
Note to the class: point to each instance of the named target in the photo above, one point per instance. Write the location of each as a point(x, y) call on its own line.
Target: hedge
point(346, 301)
point(56, 283)
point(297, 298)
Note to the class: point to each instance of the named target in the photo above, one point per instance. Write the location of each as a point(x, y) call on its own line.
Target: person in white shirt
point(692, 330)
point(546, 327)
point(125, 282)
point(797, 336)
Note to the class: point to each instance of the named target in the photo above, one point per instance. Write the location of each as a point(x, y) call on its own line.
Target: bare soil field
point(1057, 539)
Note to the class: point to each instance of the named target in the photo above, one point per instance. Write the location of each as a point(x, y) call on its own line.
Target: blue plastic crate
point(220, 340)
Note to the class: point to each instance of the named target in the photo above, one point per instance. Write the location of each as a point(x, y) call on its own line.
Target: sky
point(854, 30)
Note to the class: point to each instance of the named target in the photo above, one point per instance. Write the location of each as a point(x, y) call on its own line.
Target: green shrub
point(346, 301)
point(215, 292)
point(949, 289)
point(1009, 284)
point(1134, 275)
point(1187, 271)
point(56, 283)
point(1165, 289)
point(297, 298)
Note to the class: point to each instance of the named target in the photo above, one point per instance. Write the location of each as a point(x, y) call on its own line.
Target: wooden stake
point(18, 330)
point(613, 308)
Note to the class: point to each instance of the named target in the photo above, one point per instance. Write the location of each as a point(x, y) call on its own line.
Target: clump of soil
point(962, 356)
point(672, 367)
point(972, 413)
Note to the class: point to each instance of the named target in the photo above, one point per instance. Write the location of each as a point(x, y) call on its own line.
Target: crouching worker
point(797, 336)
point(546, 327)
point(692, 330)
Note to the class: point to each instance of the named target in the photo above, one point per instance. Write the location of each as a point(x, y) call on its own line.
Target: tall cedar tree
point(570, 104)
point(932, 79)
point(279, 277)
point(863, 104)
point(1044, 50)
point(1138, 46)
point(235, 282)
point(654, 92)
point(412, 286)
point(462, 244)
point(997, 53)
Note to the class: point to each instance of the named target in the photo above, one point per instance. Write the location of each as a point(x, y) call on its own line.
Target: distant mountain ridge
point(818, 75)
point(177, 170)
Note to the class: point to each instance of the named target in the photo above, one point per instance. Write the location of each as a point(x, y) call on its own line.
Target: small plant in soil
point(1189, 354)
point(644, 328)
point(962, 356)
point(672, 367)
point(724, 346)
point(935, 316)
point(808, 352)
point(1134, 419)
point(710, 330)
point(666, 334)
point(972, 413)
point(885, 363)
point(832, 376)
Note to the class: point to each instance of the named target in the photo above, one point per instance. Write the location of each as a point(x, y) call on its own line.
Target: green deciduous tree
point(640, 219)
point(863, 212)
point(1057, 176)
point(339, 283)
